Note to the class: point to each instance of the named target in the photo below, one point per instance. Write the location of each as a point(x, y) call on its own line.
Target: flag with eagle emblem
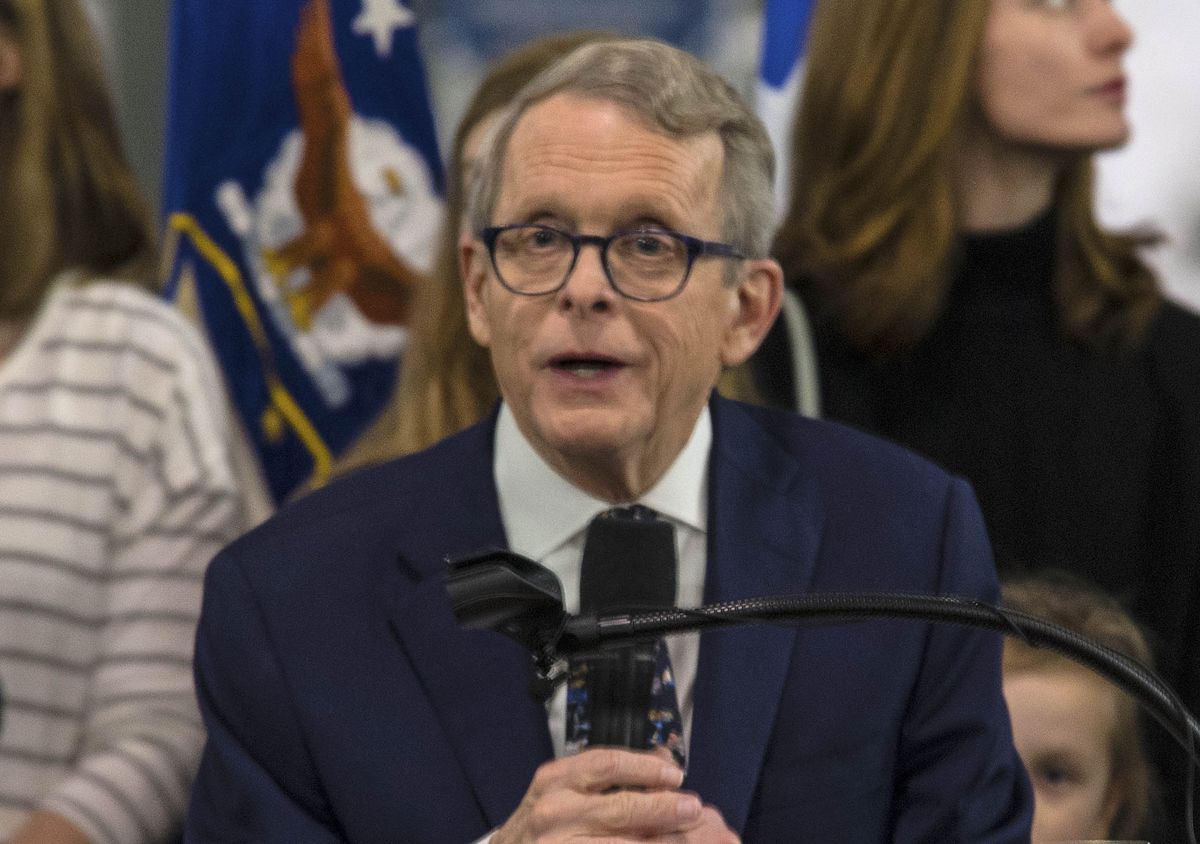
point(301, 198)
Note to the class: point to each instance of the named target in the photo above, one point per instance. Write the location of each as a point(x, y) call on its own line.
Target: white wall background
point(1155, 179)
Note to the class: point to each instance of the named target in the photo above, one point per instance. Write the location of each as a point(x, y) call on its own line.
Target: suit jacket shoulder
point(914, 710)
point(441, 497)
point(855, 474)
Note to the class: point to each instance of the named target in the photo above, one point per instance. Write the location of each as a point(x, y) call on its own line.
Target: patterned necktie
point(628, 563)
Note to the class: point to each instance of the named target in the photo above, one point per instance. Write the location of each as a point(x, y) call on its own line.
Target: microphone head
point(628, 563)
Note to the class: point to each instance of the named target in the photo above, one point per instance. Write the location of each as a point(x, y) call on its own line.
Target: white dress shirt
point(545, 518)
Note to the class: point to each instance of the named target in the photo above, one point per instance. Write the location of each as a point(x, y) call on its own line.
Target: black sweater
point(1081, 461)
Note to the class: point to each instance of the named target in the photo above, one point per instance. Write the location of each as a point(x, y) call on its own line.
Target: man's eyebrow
point(646, 214)
point(644, 222)
point(634, 213)
point(530, 207)
point(546, 215)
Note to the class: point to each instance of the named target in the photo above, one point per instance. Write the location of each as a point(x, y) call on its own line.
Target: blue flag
point(302, 198)
point(785, 29)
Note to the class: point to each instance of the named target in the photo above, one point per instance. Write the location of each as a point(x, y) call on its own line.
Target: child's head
point(1077, 734)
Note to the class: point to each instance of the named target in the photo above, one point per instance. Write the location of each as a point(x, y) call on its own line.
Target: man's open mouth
point(585, 367)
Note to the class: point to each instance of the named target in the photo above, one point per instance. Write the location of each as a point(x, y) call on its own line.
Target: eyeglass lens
point(641, 265)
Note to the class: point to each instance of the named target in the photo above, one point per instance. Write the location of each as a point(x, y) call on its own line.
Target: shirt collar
point(541, 509)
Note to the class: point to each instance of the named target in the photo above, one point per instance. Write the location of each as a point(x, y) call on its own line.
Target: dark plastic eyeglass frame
point(695, 248)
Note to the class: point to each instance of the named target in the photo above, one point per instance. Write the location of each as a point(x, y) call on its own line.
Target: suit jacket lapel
point(476, 681)
point(764, 531)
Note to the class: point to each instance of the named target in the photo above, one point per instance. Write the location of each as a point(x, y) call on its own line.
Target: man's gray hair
point(671, 92)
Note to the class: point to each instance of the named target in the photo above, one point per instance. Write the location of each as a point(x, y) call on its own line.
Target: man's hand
point(614, 795)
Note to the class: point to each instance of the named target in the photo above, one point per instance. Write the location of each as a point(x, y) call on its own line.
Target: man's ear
point(472, 266)
point(12, 70)
point(755, 306)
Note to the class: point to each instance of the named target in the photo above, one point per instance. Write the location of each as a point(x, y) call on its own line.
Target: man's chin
point(588, 442)
point(588, 435)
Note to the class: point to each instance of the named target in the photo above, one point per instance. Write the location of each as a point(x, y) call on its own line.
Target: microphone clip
point(502, 591)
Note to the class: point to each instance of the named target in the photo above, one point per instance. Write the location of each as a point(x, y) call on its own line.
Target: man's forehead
point(569, 116)
point(567, 139)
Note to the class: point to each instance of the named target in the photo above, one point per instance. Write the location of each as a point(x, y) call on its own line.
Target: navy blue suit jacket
point(344, 703)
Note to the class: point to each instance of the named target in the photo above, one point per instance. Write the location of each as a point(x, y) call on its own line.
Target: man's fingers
point(711, 829)
point(621, 812)
point(614, 794)
point(601, 769)
point(604, 768)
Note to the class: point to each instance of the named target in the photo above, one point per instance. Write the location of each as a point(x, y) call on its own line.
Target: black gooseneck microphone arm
point(513, 595)
point(516, 596)
point(1142, 684)
point(1139, 681)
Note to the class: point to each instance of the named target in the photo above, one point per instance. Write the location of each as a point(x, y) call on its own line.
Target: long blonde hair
point(871, 233)
point(71, 199)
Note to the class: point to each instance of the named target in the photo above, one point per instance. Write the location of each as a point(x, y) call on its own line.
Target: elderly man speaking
point(617, 264)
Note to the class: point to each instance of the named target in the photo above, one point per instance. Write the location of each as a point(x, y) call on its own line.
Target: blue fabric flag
point(302, 198)
point(785, 28)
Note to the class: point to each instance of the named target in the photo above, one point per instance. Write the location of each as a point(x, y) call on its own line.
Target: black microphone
point(628, 564)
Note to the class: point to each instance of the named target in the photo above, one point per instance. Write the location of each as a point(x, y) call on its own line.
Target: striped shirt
point(115, 492)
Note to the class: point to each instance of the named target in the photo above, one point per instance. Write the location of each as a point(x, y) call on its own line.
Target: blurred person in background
point(115, 482)
point(1078, 734)
point(966, 303)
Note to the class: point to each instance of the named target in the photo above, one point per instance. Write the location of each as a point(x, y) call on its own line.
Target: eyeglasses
point(648, 265)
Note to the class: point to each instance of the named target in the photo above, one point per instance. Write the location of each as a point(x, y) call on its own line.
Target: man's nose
point(587, 287)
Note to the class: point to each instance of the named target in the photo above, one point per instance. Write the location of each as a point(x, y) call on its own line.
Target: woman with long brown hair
point(965, 302)
point(115, 479)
